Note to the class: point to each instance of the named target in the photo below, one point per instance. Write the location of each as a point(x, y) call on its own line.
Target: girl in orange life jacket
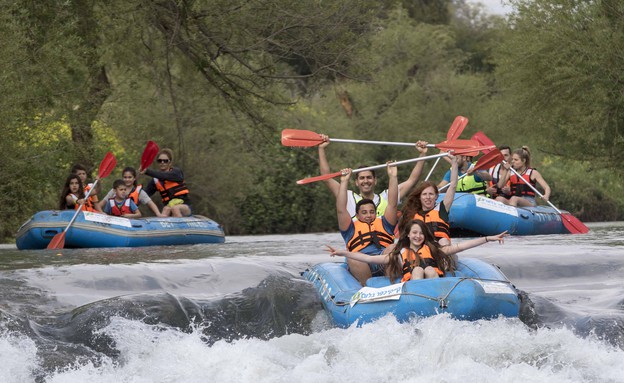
point(522, 194)
point(72, 194)
point(169, 181)
point(121, 205)
point(421, 204)
point(135, 192)
point(368, 233)
point(417, 254)
point(81, 171)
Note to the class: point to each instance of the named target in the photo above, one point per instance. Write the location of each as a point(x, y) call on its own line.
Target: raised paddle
point(332, 175)
point(456, 129)
point(570, 222)
point(106, 167)
point(149, 153)
point(492, 158)
point(306, 138)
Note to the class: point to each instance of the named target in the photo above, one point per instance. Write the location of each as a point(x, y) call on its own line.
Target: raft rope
point(442, 301)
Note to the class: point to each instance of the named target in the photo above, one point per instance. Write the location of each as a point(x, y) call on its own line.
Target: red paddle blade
point(573, 224)
point(58, 241)
point(491, 159)
point(456, 129)
point(318, 178)
point(300, 138)
point(483, 140)
point(149, 153)
point(457, 144)
point(107, 165)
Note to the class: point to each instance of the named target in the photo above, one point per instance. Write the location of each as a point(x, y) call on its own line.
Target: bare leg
point(360, 270)
point(418, 273)
point(503, 200)
point(166, 212)
point(431, 273)
point(181, 210)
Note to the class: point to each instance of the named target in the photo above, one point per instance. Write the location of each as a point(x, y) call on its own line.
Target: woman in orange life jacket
point(368, 233)
point(169, 181)
point(121, 205)
point(135, 192)
point(418, 255)
point(72, 194)
point(81, 171)
point(521, 194)
point(421, 204)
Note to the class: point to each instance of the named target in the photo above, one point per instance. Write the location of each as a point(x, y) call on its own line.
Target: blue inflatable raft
point(474, 215)
point(478, 290)
point(101, 230)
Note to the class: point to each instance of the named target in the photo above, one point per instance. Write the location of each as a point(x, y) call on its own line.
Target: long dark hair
point(66, 191)
point(412, 204)
point(394, 268)
point(130, 169)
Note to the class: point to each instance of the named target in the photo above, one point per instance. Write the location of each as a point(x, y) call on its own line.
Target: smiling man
point(366, 181)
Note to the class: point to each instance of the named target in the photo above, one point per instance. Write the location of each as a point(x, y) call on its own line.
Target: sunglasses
point(162, 161)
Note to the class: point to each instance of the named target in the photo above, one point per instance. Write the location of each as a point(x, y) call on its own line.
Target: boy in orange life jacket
point(368, 233)
point(121, 206)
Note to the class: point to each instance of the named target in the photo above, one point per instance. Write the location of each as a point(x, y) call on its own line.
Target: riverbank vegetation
point(217, 81)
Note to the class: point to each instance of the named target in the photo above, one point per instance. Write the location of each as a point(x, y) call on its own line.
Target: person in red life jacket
point(169, 182)
point(496, 187)
point(135, 192)
point(366, 181)
point(72, 194)
point(521, 194)
point(421, 204)
point(81, 171)
point(418, 255)
point(368, 233)
point(121, 205)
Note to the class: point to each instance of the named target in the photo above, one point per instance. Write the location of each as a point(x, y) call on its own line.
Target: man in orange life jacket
point(368, 233)
point(121, 205)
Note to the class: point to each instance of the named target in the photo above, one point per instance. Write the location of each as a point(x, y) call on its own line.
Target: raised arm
point(332, 184)
point(450, 192)
point(407, 185)
point(378, 259)
point(465, 245)
point(393, 196)
point(344, 218)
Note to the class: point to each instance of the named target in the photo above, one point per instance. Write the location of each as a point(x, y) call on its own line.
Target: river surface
point(241, 312)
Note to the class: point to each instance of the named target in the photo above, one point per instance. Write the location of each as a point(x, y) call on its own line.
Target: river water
point(240, 312)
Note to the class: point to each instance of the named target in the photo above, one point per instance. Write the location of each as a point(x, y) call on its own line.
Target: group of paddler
point(126, 195)
point(415, 243)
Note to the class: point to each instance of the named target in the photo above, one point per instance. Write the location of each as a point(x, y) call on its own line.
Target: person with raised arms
point(417, 255)
point(367, 233)
point(366, 181)
point(421, 204)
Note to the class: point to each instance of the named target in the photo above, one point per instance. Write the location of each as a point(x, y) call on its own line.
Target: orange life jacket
point(518, 187)
point(134, 194)
point(365, 234)
point(422, 258)
point(171, 189)
point(88, 205)
point(439, 227)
